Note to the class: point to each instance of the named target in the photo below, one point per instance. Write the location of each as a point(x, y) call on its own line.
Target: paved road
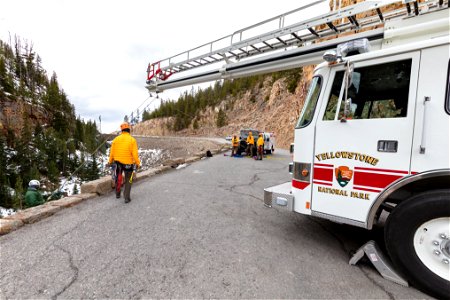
point(197, 232)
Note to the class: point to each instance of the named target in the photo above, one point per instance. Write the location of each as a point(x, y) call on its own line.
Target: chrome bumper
point(279, 196)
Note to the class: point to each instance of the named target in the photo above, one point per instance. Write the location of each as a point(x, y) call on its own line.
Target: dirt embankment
point(154, 151)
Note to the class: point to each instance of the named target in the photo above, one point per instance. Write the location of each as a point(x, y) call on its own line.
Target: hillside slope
point(269, 108)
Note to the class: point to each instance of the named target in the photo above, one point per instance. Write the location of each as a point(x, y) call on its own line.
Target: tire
point(417, 237)
point(242, 147)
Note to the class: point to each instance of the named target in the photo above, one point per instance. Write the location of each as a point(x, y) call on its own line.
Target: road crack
point(74, 269)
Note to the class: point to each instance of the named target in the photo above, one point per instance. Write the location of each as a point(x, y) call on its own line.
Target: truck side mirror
point(347, 81)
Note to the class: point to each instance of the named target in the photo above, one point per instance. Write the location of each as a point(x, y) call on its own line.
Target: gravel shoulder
point(173, 147)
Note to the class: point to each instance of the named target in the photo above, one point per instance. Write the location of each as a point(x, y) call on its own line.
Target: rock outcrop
point(270, 108)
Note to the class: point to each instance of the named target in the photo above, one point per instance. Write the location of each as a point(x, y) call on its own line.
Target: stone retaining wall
point(89, 190)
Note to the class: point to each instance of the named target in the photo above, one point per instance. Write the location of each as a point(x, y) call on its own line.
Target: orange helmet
point(124, 125)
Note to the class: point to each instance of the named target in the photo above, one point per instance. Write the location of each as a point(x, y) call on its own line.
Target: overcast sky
point(100, 49)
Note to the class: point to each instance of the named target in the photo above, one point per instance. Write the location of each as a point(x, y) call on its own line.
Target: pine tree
point(221, 119)
point(94, 171)
point(38, 151)
point(34, 172)
point(195, 125)
point(53, 173)
point(6, 84)
point(24, 155)
point(5, 197)
point(19, 194)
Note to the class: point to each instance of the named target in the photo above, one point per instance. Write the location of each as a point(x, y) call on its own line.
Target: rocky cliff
point(14, 114)
point(269, 108)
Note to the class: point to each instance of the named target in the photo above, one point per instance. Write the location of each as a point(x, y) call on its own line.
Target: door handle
point(423, 144)
point(387, 146)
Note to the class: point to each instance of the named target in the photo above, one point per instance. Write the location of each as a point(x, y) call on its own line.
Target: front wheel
point(417, 236)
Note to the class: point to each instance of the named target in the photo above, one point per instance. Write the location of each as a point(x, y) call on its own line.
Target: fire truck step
point(379, 260)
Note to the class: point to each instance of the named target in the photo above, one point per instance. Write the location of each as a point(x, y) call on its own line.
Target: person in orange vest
point(235, 145)
point(124, 154)
point(250, 144)
point(260, 145)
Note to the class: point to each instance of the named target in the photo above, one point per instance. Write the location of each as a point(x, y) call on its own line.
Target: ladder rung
point(246, 52)
point(233, 54)
point(267, 44)
point(380, 14)
point(281, 41)
point(332, 27)
point(212, 57)
point(296, 36)
point(353, 20)
point(257, 49)
point(313, 32)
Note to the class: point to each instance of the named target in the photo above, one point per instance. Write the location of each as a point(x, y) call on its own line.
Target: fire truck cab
point(373, 136)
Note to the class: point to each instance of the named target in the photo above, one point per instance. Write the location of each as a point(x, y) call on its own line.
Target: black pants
point(128, 171)
point(260, 152)
point(250, 150)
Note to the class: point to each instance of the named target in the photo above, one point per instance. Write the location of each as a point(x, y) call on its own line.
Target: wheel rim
point(432, 246)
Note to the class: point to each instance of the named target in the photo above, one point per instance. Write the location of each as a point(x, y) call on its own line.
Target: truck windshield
point(244, 133)
point(310, 103)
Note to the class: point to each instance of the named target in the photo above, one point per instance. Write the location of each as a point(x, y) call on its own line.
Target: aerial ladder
point(285, 47)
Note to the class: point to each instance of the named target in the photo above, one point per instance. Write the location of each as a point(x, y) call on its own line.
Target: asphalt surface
point(197, 232)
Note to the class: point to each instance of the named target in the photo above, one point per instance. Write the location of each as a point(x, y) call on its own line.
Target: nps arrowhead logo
point(343, 175)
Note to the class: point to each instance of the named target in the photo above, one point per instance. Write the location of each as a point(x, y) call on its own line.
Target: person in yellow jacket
point(235, 145)
point(124, 155)
point(260, 145)
point(250, 144)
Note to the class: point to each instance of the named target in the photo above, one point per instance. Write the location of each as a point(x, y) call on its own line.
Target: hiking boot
point(117, 196)
point(127, 200)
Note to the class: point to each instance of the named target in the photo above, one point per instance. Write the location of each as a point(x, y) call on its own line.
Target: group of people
point(124, 160)
point(250, 146)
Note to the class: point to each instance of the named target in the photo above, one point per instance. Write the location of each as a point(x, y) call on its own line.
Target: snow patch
point(4, 212)
point(182, 166)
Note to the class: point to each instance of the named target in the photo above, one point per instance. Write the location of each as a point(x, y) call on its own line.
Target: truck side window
point(447, 91)
point(378, 91)
point(330, 112)
point(309, 107)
